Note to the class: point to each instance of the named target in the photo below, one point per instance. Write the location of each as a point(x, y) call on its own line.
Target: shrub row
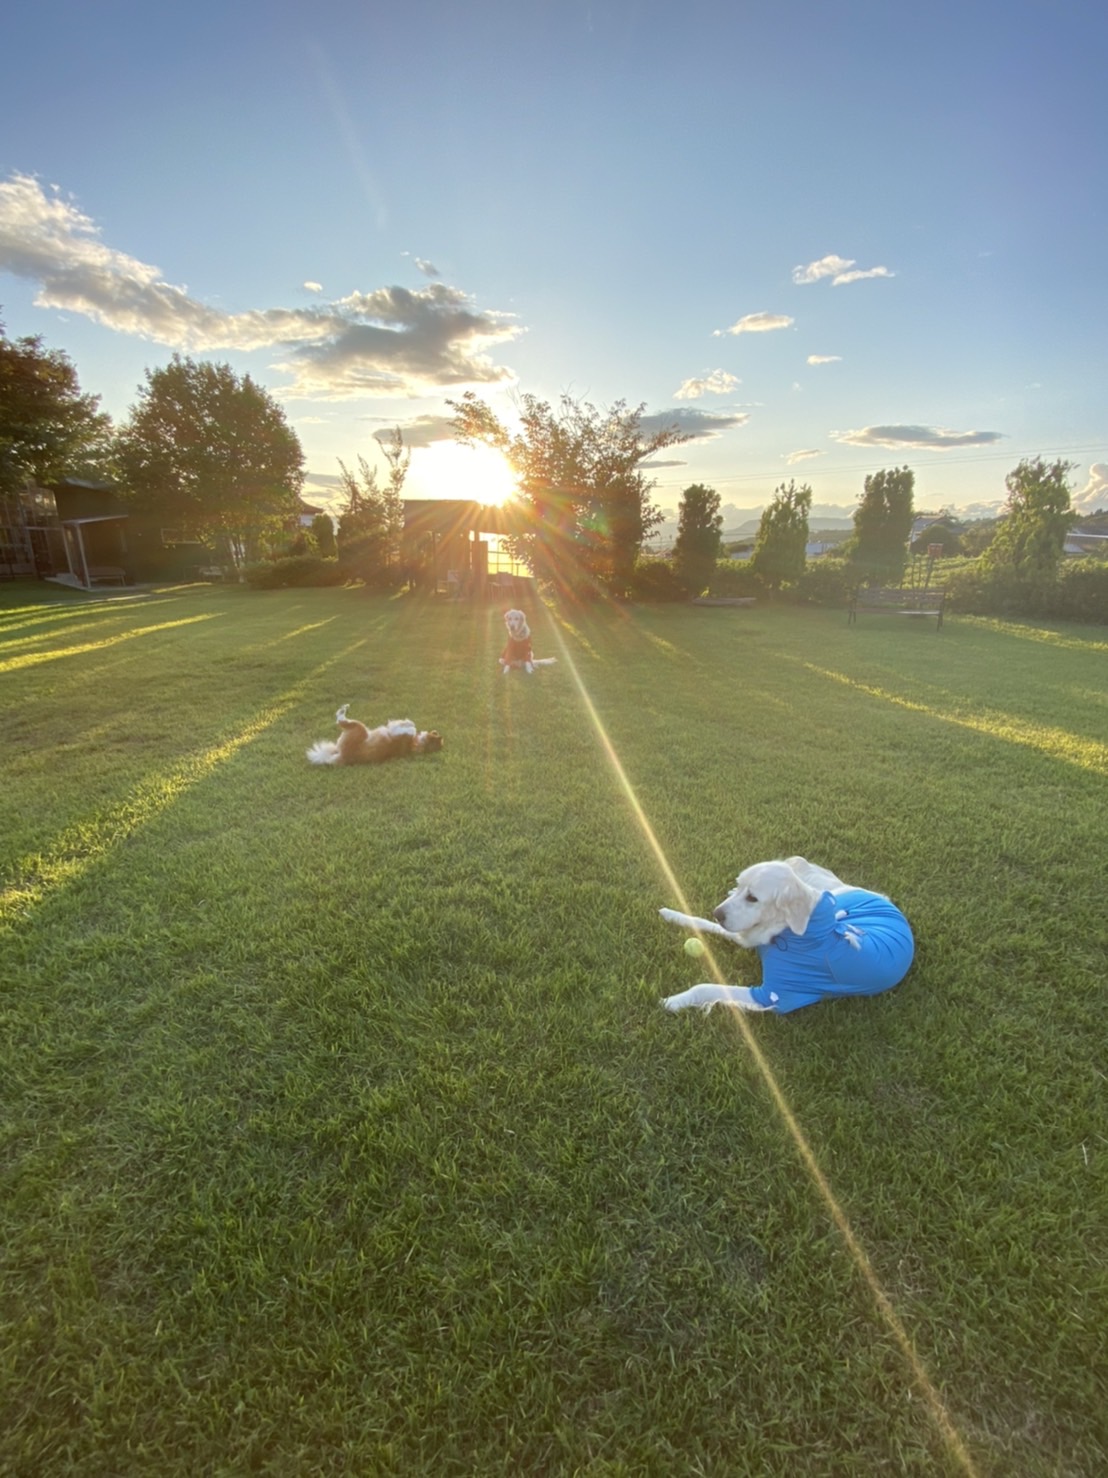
point(294, 570)
point(1078, 593)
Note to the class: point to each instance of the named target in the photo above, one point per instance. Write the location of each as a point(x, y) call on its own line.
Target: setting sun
point(447, 469)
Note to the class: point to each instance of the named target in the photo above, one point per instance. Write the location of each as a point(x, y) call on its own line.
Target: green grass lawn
point(342, 1130)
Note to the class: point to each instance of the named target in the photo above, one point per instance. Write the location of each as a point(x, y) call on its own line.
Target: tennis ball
point(694, 946)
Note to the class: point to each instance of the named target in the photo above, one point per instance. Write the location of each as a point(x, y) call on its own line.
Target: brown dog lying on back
point(358, 745)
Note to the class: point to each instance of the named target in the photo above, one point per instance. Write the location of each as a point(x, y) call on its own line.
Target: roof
point(924, 521)
point(80, 482)
point(449, 517)
point(1078, 543)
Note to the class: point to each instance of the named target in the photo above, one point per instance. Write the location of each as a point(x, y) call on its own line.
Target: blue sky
point(827, 238)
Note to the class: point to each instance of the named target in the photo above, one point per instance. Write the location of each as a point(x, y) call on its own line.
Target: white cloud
point(387, 342)
point(1094, 494)
point(756, 323)
point(312, 287)
point(716, 382)
point(419, 431)
point(825, 267)
point(825, 359)
point(803, 456)
point(920, 438)
point(838, 269)
point(427, 268)
point(49, 241)
point(397, 342)
point(697, 425)
point(845, 277)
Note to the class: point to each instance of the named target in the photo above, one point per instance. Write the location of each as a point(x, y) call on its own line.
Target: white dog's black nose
point(718, 913)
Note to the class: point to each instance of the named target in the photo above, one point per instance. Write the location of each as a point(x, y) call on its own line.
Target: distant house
point(307, 513)
point(924, 521)
point(1079, 543)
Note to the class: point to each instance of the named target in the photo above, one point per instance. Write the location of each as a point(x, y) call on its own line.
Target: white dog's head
point(766, 899)
point(516, 622)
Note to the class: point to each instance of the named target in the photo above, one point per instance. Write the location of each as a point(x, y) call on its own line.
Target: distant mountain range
point(817, 524)
point(742, 523)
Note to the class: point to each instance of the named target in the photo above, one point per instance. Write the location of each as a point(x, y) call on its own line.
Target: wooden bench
point(723, 600)
point(106, 575)
point(881, 601)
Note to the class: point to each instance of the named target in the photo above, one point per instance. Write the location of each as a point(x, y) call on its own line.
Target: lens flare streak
point(935, 1405)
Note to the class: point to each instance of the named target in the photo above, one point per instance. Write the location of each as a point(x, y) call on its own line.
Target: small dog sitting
point(817, 938)
point(358, 745)
point(518, 651)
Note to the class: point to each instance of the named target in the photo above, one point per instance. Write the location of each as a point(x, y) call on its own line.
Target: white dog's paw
point(688, 921)
point(702, 996)
point(708, 995)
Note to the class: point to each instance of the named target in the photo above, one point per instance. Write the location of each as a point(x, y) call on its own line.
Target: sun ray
point(89, 841)
point(1059, 744)
point(34, 659)
point(103, 608)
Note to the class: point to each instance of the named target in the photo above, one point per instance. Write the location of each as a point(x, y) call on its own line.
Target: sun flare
point(446, 469)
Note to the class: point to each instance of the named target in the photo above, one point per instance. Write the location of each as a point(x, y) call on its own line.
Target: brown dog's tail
point(323, 752)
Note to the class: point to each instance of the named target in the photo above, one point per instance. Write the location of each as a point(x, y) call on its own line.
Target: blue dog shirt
point(856, 944)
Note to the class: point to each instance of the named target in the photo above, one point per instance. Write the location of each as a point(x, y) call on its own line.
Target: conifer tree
point(883, 526)
point(779, 550)
point(699, 537)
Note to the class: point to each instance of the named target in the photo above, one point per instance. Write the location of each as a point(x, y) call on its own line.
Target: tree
point(371, 523)
point(779, 550)
point(399, 459)
point(699, 537)
point(323, 532)
point(943, 533)
point(883, 525)
point(48, 428)
point(583, 498)
point(211, 454)
point(1030, 536)
point(976, 537)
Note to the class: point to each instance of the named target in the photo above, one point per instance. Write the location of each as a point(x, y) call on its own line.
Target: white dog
point(517, 652)
point(817, 938)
